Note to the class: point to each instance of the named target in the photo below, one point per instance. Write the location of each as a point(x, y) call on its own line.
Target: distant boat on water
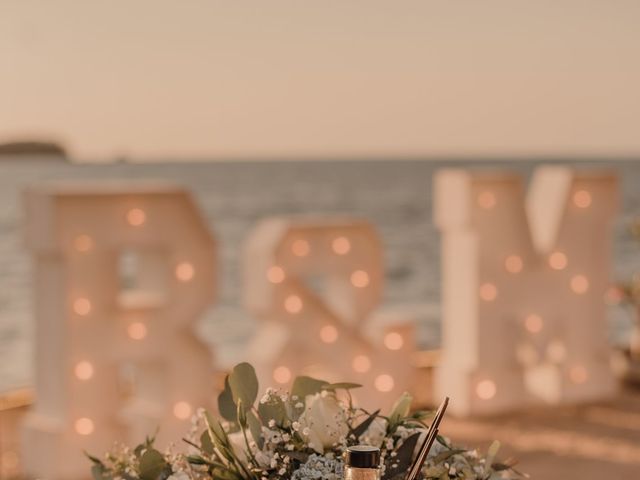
point(33, 148)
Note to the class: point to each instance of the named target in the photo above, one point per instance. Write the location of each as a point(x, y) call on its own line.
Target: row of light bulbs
point(487, 199)
point(293, 304)
point(487, 389)
point(579, 285)
point(84, 369)
point(185, 271)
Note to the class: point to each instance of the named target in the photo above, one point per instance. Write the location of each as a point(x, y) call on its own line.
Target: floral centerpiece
point(299, 434)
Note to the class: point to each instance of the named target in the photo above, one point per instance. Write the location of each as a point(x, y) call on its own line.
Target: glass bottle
point(362, 462)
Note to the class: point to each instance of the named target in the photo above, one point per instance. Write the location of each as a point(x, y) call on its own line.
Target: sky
point(161, 79)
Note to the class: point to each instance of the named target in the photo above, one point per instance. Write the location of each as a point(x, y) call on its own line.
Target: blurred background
point(284, 107)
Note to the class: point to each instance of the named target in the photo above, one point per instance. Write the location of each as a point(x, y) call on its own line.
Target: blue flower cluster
point(318, 467)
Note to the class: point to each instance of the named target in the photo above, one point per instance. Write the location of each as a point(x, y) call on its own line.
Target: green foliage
point(303, 386)
point(255, 427)
point(279, 426)
point(152, 464)
point(340, 386)
point(244, 384)
point(226, 405)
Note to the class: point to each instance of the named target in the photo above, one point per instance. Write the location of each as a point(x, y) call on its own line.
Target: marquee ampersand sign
point(315, 283)
point(522, 287)
point(121, 275)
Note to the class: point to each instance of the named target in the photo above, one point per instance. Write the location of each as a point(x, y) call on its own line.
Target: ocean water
point(394, 195)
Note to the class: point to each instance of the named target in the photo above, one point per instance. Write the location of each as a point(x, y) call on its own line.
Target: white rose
point(323, 421)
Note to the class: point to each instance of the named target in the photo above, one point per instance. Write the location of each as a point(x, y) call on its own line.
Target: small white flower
point(295, 426)
point(272, 423)
point(299, 405)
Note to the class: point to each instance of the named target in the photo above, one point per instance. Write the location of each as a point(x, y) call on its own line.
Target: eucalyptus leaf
point(98, 472)
point(205, 443)
point(93, 459)
point(401, 408)
point(444, 456)
point(303, 386)
point(196, 460)
point(152, 464)
point(226, 405)
point(255, 427)
point(244, 384)
point(404, 455)
point(491, 454)
point(341, 386)
point(242, 415)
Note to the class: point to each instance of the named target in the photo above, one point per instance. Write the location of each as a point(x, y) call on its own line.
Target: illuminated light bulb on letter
point(185, 271)
point(137, 331)
point(488, 292)
point(578, 374)
point(582, 199)
point(533, 323)
point(84, 426)
point(341, 245)
point(282, 374)
point(83, 370)
point(579, 284)
point(486, 389)
point(300, 248)
point(487, 200)
point(359, 279)
point(558, 261)
point(293, 304)
point(82, 306)
point(513, 264)
point(136, 217)
point(361, 364)
point(384, 383)
point(393, 341)
point(328, 334)
point(276, 274)
point(182, 410)
point(83, 243)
